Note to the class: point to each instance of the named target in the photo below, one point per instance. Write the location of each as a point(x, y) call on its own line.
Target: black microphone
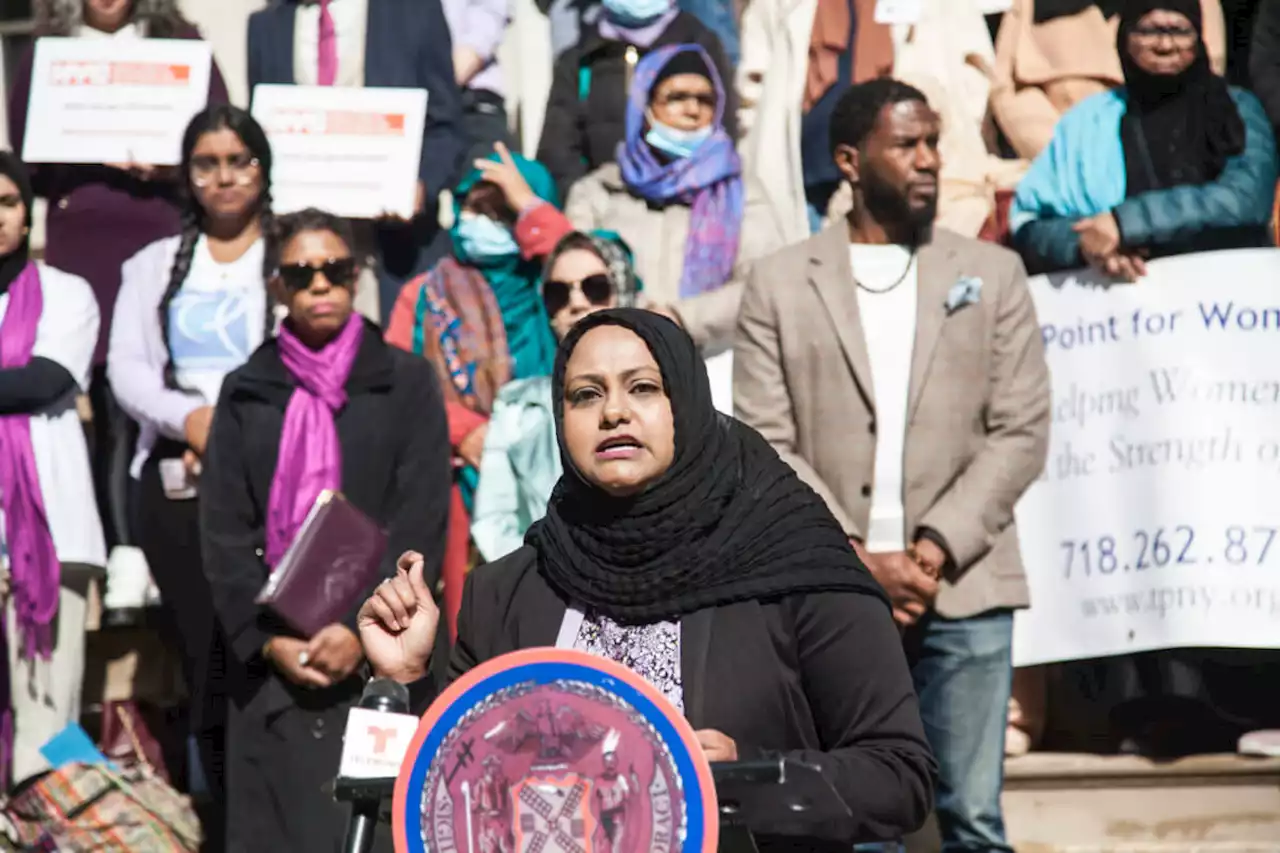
point(383, 696)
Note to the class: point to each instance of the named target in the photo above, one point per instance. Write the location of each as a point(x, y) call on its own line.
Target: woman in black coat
point(326, 404)
point(679, 544)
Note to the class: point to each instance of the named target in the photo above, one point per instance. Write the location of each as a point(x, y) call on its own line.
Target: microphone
point(379, 731)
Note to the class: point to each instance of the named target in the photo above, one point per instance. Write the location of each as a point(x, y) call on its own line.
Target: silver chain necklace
point(911, 260)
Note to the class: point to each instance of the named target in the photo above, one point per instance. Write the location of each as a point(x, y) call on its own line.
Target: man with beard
point(899, 369)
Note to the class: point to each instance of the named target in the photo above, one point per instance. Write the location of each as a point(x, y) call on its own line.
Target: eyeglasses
point(702, 99)
point(1181, 35)
point(339, 272)
point(243, 168)
point(598, 290)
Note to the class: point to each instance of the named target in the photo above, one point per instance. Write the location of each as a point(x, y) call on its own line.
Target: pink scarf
point(310, 456)
point(33, 562)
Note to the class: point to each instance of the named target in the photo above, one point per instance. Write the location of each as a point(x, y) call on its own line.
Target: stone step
point(1070, 803)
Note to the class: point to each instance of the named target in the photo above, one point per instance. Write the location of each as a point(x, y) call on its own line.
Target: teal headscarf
point(516, 282)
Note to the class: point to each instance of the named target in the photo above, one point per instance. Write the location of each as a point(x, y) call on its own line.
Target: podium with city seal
point(558, 751)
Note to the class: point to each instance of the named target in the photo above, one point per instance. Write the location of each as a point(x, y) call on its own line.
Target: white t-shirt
point(350, 22)
point(67, 333)
point(128, 31)
point(216, 319)
point(886, 279)
point(215, 324)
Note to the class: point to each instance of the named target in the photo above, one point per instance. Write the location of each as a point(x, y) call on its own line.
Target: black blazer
point(820, 678)
point(395, 467)
point(407, 45)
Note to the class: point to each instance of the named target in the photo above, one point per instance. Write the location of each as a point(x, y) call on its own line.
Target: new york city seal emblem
point(554, 752)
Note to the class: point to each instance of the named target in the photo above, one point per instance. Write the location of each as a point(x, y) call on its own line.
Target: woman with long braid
point(192, 308)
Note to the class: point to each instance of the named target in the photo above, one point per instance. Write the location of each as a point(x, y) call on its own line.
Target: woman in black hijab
point(1194, 170)
point(679, 544)
point(1181, 126)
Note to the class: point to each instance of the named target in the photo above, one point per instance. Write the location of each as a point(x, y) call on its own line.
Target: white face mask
point(675, 142)
point(635, 13)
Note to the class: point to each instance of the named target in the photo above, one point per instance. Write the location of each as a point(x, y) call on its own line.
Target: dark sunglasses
point(341, 272)
point(598, 289)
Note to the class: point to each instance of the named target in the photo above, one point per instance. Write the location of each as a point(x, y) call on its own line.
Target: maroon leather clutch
point(333, 560)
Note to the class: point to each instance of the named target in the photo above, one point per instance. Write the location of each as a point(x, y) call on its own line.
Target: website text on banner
point(353, 152)
point(1157, 521)
point(114, 100)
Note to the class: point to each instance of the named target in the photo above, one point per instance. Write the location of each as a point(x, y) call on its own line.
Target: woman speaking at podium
point(679, 544)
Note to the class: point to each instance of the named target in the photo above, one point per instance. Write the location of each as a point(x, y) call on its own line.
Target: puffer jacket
point(1231, 211)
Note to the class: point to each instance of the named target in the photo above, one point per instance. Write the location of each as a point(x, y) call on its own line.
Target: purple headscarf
point(710, 180)
point(310, 456)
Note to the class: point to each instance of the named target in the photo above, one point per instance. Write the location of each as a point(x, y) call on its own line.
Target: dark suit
point(821, 678)
point(407, 45)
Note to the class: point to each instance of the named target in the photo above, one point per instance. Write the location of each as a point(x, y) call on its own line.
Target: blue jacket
point(1081, 173)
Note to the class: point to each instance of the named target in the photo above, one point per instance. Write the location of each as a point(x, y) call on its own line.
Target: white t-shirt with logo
point(216, 319)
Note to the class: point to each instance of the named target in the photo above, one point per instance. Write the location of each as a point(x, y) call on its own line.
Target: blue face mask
point(635, 13)
point(480, 238)
point(675, 142)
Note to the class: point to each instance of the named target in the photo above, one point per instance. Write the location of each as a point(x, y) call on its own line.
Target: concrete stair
point(1070, 803)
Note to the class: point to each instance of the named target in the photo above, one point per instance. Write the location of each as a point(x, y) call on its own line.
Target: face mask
point(635, 13)
point(479, 237)
point(675, 142)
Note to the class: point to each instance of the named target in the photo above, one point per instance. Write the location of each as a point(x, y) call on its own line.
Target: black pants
point(280, 764)
point(110, 448)
point(168, 532)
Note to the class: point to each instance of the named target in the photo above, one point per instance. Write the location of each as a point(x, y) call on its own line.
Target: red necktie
point(328, 71)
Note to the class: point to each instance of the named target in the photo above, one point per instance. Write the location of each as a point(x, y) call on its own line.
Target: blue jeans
point(963, 672)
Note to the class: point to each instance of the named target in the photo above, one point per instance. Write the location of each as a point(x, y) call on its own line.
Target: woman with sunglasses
point(677, 195)
point(585, 273)
point(191, 309)
point(326, 404)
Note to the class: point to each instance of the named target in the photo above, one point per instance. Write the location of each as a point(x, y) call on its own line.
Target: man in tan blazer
point(899, 368)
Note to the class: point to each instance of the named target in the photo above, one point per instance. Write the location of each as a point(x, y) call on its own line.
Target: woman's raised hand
point(398, 623)
point(506, 175)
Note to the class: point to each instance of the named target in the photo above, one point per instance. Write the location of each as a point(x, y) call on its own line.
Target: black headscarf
point(12, 264)
point(728, 521)
point(1178, 129)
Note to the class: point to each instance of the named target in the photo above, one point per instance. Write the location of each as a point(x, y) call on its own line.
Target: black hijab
point(728, 521)
point(1178, 129)
point(12, 264)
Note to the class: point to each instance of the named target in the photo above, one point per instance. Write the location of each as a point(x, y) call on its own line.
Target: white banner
point(1157, 521)
point(114, 100)
point(353, 152)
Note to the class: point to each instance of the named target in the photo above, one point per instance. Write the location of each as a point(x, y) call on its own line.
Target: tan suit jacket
point(978, 403)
